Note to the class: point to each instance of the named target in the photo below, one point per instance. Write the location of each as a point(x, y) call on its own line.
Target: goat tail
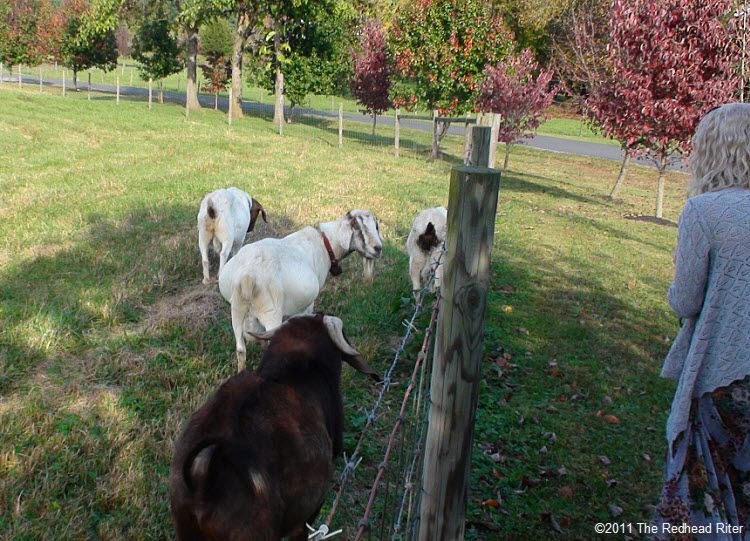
point(247, 286)
point(211, 209)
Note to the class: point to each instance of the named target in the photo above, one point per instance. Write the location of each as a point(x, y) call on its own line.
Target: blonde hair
point(721, 150)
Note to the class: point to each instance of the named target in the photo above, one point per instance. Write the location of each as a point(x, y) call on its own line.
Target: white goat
point(424, 246)
point(271, 279)
point(224, 218)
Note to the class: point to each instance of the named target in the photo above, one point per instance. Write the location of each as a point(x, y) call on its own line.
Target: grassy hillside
point(108, 340)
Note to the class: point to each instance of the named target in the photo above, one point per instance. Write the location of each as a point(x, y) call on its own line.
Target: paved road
point(542, 142)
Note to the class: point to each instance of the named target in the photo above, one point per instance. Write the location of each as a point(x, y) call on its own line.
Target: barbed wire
point(351, 463)
point(421, 357)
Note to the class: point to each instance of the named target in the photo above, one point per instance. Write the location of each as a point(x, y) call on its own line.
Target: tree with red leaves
point(371, 80)
point(511, 90)
point(672, 61)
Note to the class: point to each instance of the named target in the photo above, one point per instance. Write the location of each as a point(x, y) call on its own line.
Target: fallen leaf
point(611, 483)
point(496, 457)
point(607, 400)
point(565, 520)
point(550, 408)
point(646, 457)
point(522, 330)
point(507, 289)
point(562, 471)
point(491, 503)
point(507, 309)
point(612, 419)
point(561, 398)
point(599, 413)
point(521, 420)
point(605, 460)
point(549, 517)
point(616, 510)
point(554, 372)
point(543, 450)
point(497, 473)
point(565, 492)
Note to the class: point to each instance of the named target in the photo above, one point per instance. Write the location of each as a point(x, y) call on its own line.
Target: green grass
point(573, 128)
point(108, 340)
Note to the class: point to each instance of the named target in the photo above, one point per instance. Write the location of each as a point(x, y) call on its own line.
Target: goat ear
point(198, 469)
point(255, 209)
point(430, 229)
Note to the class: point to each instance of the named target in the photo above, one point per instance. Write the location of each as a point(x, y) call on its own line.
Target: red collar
point(335, 265)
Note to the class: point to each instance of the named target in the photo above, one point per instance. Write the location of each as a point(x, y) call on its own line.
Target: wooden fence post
point(117, 85)
point(20, 77)
point(458, 350)
point(88, 91)
point(435, 145)
point(479, 146)
point(396, 134)
point(229, 107)
point(63, 89)
point(493, 146)
point(150, 91)
point(341, 124)
point(131, 77)
point(41, 79)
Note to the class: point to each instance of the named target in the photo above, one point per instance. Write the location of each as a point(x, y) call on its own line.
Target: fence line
point(421, 361)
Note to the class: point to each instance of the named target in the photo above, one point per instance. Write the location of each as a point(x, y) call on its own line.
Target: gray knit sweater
point(711, 291)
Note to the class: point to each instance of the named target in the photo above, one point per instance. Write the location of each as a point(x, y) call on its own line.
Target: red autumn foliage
point(511, 90)
point(371, 81)
point(671, 61)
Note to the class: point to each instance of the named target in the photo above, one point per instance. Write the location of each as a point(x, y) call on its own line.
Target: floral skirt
point(707, 477)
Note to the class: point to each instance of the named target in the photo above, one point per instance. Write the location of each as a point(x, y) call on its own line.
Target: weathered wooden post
point(150, 91)
point(341, 124)
point(435, 145)
point(20, 77)
point(63, 89)
point(41, 79)
point(229, 107)
point(117, 90)
point(493, 146)
point(458, 350)
point(479, 145)
point(396, 134)
point(131, 77)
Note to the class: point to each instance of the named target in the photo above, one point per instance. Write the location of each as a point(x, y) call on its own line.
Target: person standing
point(707, 470)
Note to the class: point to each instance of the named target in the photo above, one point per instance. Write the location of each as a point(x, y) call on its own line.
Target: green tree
point(19, 32)
point(216, 44)
point(156, 49)
point(94, 49)
point(440, 49)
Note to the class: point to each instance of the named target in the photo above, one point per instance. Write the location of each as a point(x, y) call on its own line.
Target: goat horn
point(336, 331)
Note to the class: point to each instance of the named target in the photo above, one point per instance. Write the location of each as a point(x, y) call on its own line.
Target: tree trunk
point(216, 101)
point(660, 185)
point(75, 79)
point(374, 121)
point(161, 90)
point(621, 177)
point(278, 108)
point(240, 37)
point(507, 155)
point(191, 88)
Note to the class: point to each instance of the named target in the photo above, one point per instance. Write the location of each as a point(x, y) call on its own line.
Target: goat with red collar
point(272, 279)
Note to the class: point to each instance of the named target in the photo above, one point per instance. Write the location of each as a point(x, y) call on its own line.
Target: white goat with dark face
point(424, 246)
point(224, 218)
point(272, 279)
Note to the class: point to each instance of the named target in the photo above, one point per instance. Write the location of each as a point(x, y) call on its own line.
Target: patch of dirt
point(196, 305)
point(649, 219)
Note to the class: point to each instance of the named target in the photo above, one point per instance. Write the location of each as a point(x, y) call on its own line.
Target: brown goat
point(255, 462)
